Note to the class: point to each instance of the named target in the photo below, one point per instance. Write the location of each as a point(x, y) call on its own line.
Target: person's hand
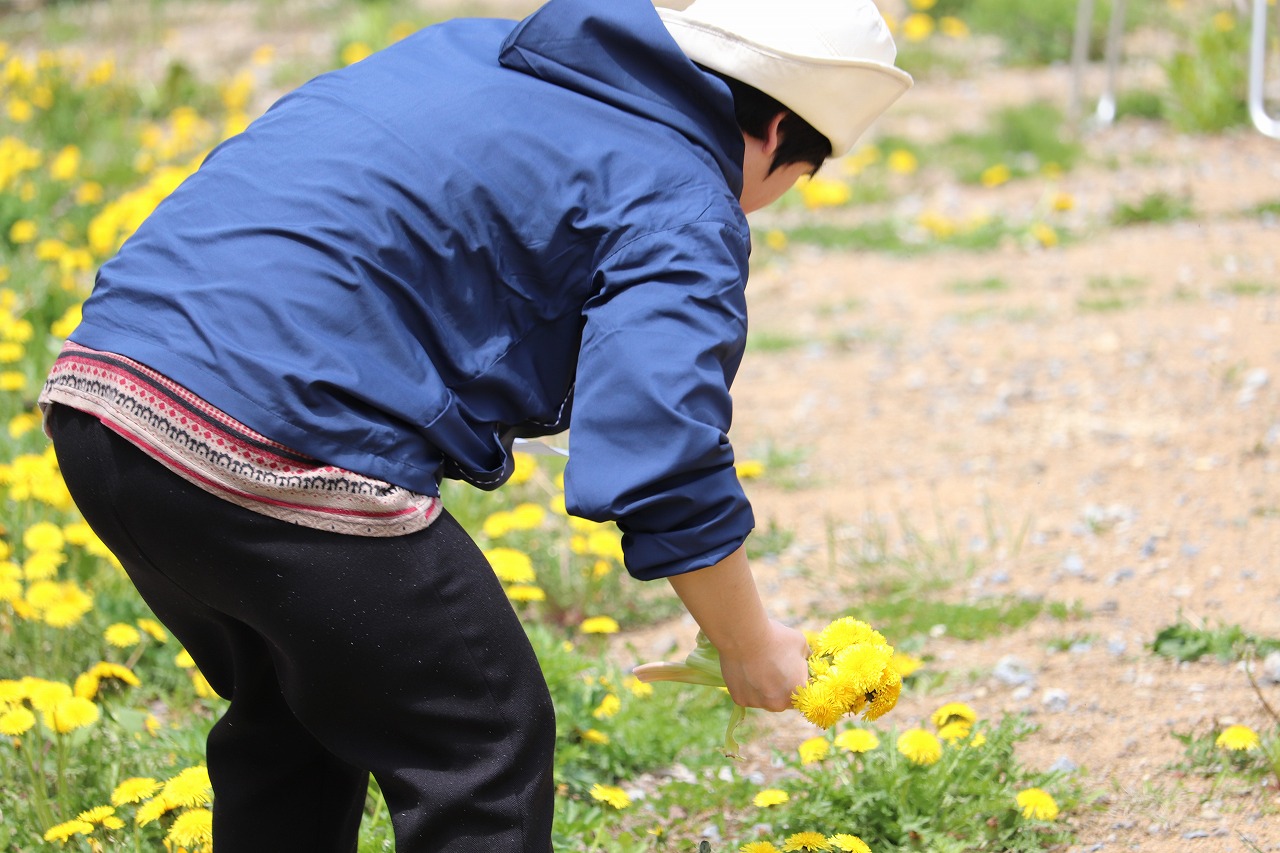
point(765, 673)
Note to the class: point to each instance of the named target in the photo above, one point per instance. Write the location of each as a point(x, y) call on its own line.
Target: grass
point(1154, 208)
point(969, 287)
point(1183, 641)
point(1024, 139)
point(1104, 294)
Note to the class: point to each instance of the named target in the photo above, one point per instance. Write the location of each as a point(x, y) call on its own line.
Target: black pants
point(340, 655)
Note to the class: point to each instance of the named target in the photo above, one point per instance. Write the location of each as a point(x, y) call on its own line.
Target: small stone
point(1012, 671)
point(1073, 564)
point(1117, 646)
point(1023, 693)
point(711, 832)
point(1055, 699)
point(1080, 647)
point(1063, 764)
point(1271, 668)
point(1195, 833)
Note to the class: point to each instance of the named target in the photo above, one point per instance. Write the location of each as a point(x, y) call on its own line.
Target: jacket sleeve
point(649, 448)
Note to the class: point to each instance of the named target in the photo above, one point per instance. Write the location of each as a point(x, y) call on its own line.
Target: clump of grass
point(1153, 208)
point(1208, 78)
point(1183, 641)
point(990, 284)
point(1107, 293)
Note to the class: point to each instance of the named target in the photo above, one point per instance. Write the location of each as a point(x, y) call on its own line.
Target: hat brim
point(841, 98)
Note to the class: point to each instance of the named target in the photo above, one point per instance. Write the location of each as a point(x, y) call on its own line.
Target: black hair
point(799, 141)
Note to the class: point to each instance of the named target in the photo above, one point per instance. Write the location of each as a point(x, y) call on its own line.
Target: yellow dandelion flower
point(23, 231)
point(776, 240)
point(954, 712)
point(953, 28)
point(183, 660)
point(595, 736)
point(203, 688)
point(86, 686)
point(758, 847)
point(994, 176)
point(122, 635)
point(152, 724)
point(955, 732)
point(113, 822)
point(637, 687)
point(510, 565)
point(857, 740)
point(189, 789)
point(611, 795)
point(44, 695)
point(497, 524)
point(12, 692)
point(354, 52)
point(817, 192)
point(1038, 804)
point(23, 423)
point(749, 469)
point(44, 536)
point(1062, 202)
point(96, 814)
point(88, 193)
point(192, 828)
point(1237, 738)
point(151, 810)
point(65, 164)
point(920, 746)
point(601, 568)
point(599, 625)
point(154, 629)
point(814, 750)
point(770, 797)
point(904, 664)
point(807, 842)
point(118, 671)
point(845, 632)
point(923, 5)
point(818, 702)
point(134, 790)
point(71, 713)
point(525, 592)
point(849, 843)
point(16, 721)
point(527, 516)
point(917, 26)
point(67, 830)
point(1045, 235)
point(884, 698)
point(860, 667)
point(524, 468)
point(1224, 22)
point(72, 604)
point(608, 707)
point(42, 565)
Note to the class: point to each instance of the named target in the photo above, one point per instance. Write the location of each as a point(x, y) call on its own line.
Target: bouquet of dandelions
point(850, 673)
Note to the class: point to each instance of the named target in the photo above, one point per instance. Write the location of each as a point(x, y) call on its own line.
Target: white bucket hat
point(829, 61)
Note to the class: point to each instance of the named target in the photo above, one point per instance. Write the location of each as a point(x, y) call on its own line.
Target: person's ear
point(773, 135)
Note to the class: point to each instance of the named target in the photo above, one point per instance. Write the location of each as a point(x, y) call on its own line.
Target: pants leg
point(341, 655)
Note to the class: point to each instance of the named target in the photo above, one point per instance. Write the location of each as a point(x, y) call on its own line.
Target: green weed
point(1183, 641)
point(1208, 78)
point(1156, 207)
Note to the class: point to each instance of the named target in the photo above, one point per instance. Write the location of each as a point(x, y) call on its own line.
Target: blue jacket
point(487, 230)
